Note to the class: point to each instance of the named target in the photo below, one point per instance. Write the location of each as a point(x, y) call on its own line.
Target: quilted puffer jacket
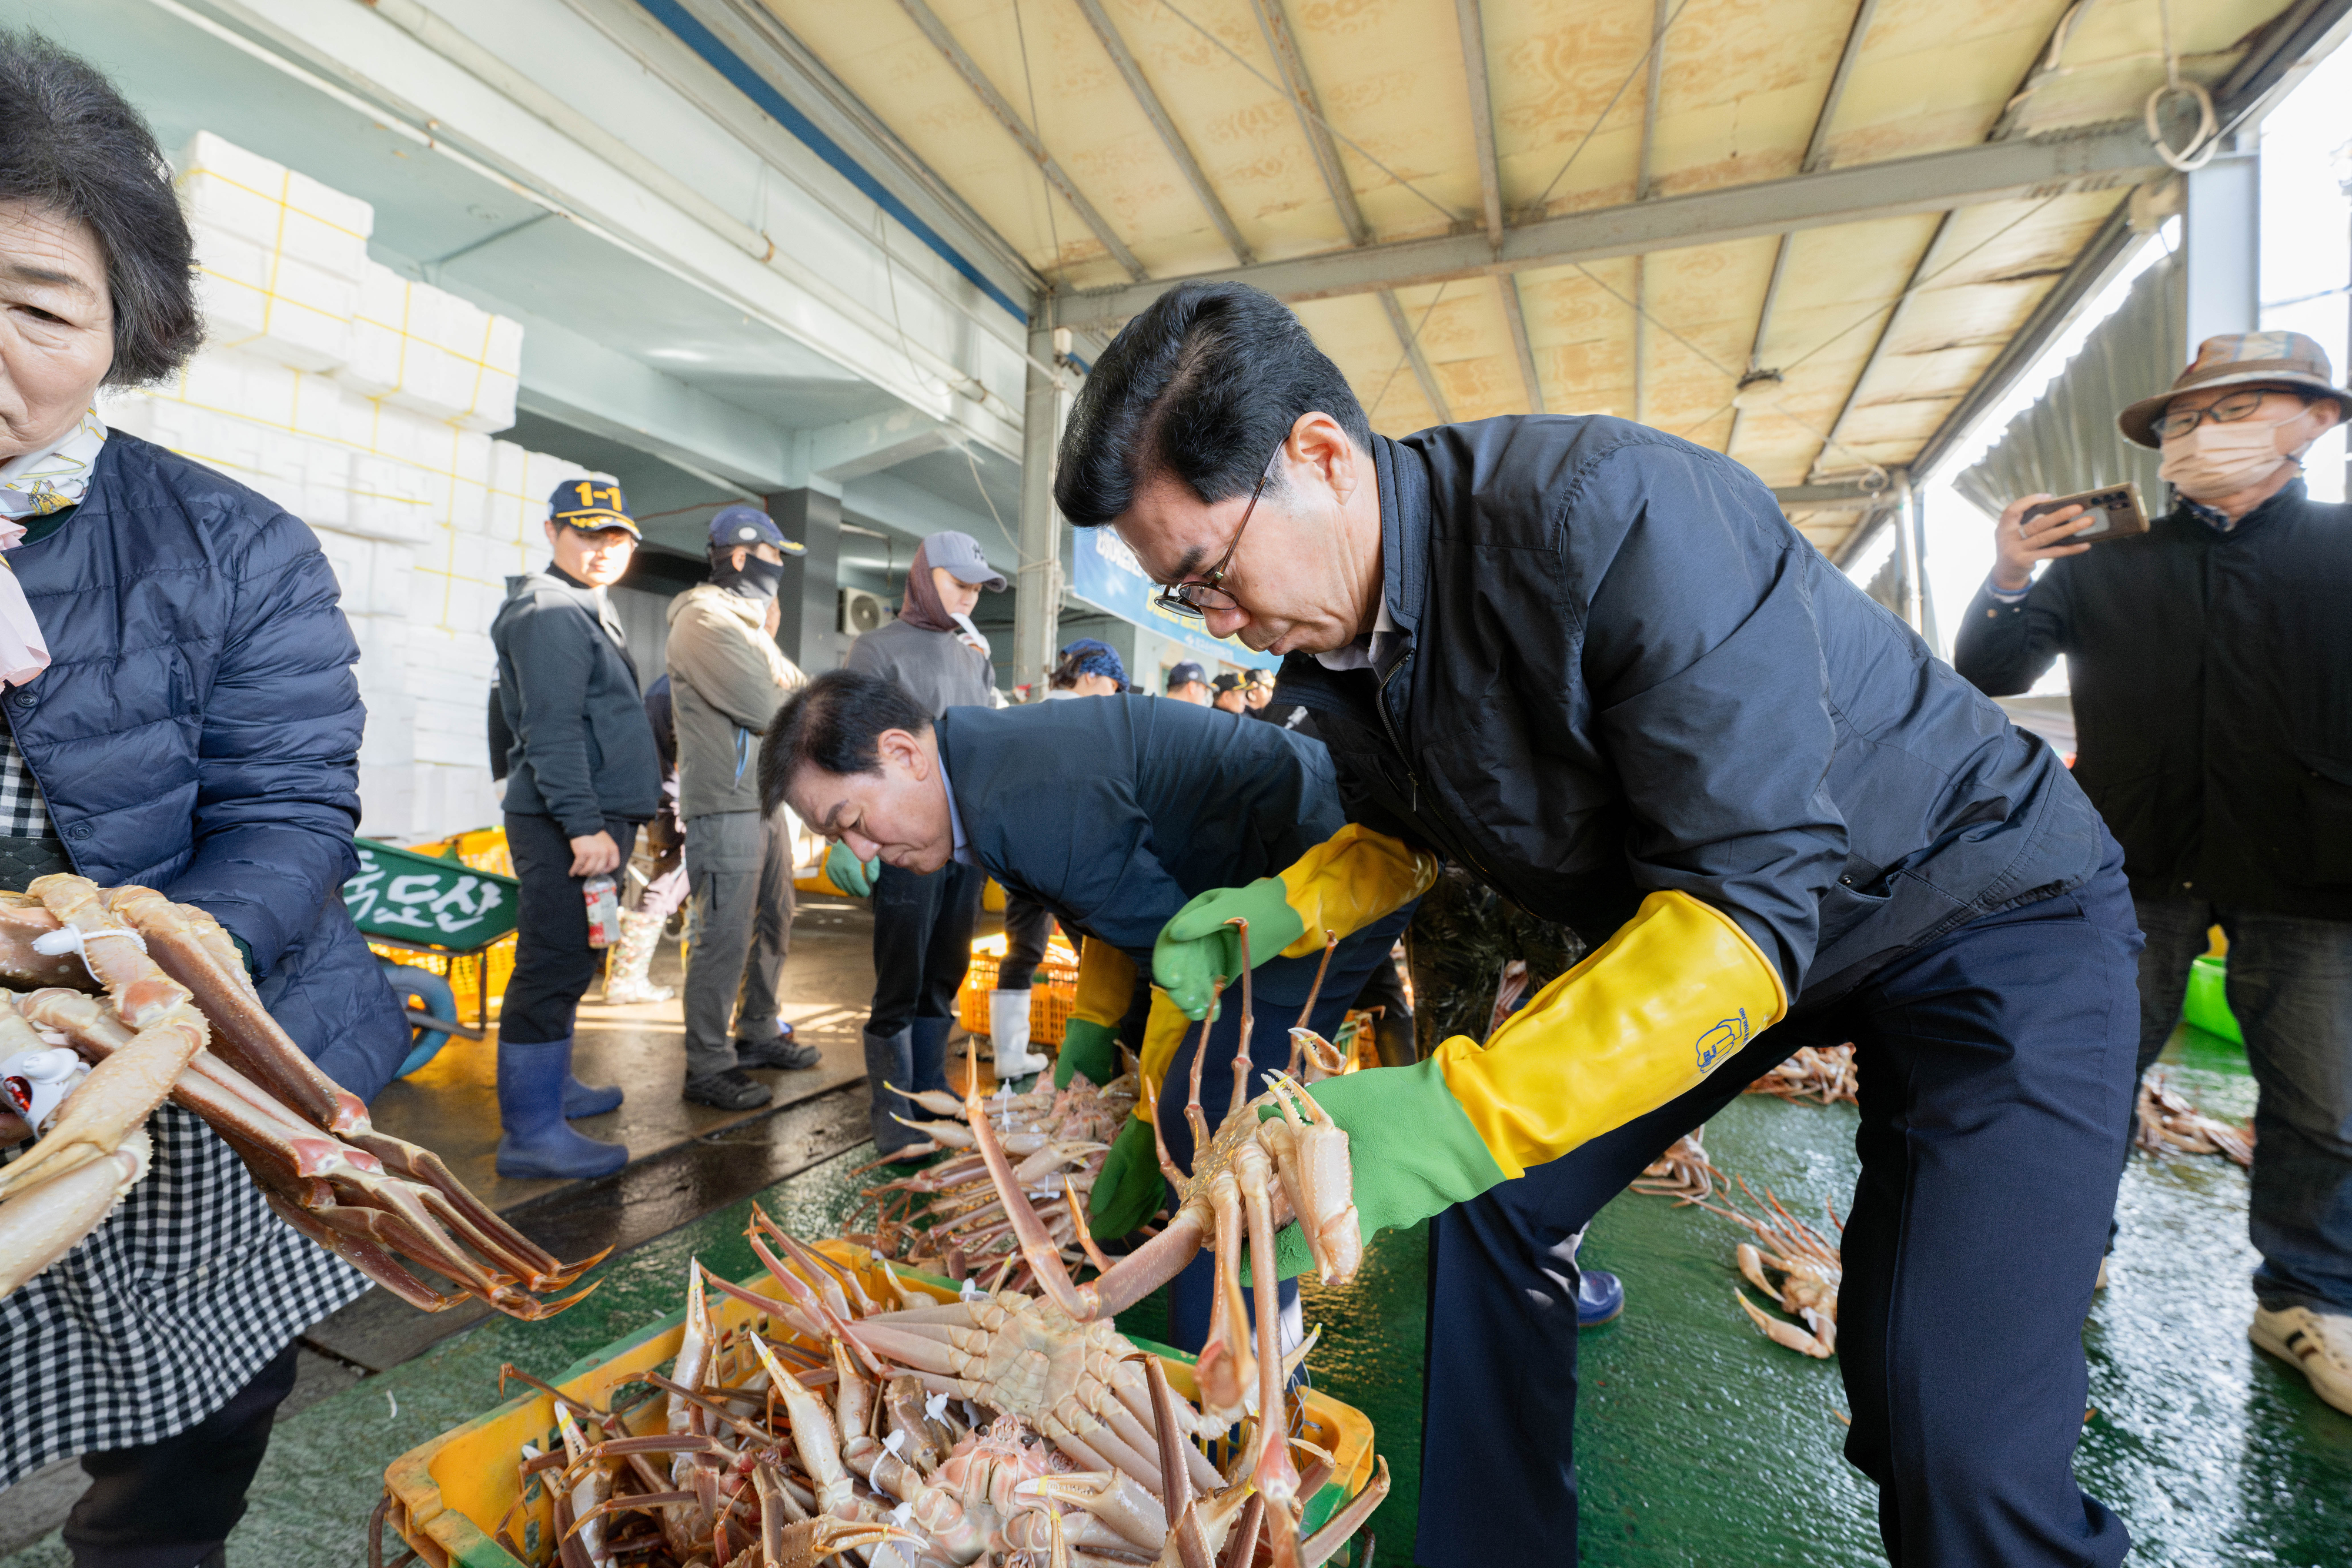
point(197, 731)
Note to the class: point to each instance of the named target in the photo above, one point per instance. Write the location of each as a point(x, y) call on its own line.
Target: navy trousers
point(1192, 1293)
point(1997, 1066)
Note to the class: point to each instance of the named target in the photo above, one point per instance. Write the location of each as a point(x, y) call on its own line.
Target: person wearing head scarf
point(922, 921)
point(1088, 668)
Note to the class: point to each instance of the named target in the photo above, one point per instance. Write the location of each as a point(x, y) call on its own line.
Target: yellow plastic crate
point(464, 971)
point(484, 848)
point(448, 1498)
point(1051, 998)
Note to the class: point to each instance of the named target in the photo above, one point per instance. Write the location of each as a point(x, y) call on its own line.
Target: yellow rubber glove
point(1336, 889)
point(1671, 996)
point(1090, 1043)
point(1129, 1190)
point(1164, 1032)
point(1676, 992)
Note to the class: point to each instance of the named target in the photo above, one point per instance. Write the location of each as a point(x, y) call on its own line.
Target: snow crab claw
point(178, 1016)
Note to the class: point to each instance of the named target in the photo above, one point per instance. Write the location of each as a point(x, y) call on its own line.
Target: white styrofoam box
point(493, 401)
point(510, 466)
point(232, 257)
point(428, 604)
point(384, 648)
point(502, 354)
point(468, 504)
point(318, 407)
point(224, 184)
point(354, 561)
point(379, 508)
point(387, 800)
point(286, 495)
point(469, 456)
point(132, 412)
point(284, 456)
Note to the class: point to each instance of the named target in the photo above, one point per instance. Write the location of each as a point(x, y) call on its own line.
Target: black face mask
point(756, 578)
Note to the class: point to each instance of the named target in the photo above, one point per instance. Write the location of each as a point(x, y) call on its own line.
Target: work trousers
point(554, 965)
point(1996, 1064)
point(1028, 928)
point(922, 943)
point(1192, 1293)
point(2290, 988)
point(172, 1504)
point(739, 866)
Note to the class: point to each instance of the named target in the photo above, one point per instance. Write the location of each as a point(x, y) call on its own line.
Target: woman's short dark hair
point(69, 145)
point(834, 722)
point(1202, 385)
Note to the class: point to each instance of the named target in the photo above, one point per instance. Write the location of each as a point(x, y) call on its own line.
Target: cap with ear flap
point(2281, 360)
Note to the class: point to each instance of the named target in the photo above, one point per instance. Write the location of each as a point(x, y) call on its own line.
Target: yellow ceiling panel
point(1554, 66)
point(1391, 78)
point(1355, 332)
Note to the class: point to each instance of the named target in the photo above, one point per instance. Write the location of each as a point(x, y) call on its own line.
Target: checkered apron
point(169, 1307)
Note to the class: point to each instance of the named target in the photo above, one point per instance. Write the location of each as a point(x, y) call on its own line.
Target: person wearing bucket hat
point(2206, 663)
point(923, 920)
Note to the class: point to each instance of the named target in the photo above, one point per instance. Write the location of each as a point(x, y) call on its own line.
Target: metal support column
point(808, 600)
point(1037, 606)
point(2222, 243)
point(1907, 552)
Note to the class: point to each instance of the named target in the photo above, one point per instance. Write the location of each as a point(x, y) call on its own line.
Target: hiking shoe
point(729, 1089)
point(781, 1052)
point(2318, 1344)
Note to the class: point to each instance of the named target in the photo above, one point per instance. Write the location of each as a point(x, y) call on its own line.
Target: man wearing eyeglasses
point(1595, 667)
point(2207, 661)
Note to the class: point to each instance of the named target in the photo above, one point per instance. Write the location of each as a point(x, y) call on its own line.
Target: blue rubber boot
point(1600, 1296)
point(583, 1100)
point(538, 1142)
point(928, 1047)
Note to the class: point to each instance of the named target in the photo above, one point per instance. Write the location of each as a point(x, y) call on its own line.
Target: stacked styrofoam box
point(280, 256)
point(417, 347)
point(371, 426)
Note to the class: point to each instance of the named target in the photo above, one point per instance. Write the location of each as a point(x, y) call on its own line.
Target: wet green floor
point(1699, 1443)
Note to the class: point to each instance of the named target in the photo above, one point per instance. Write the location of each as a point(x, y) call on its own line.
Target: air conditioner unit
point(862, 612)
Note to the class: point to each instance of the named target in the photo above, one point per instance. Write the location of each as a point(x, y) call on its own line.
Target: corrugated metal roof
point(1111, 141)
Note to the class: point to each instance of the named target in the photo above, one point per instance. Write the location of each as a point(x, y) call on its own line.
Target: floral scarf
point(36, 485)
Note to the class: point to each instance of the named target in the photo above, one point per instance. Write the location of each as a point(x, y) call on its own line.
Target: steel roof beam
point(1303, 102)
point(1169, 137)
point(1817, 156)
point(1412, 346)
point(1520, 346)
point(997, 105)
point(1482, 114)
point(1936, 182)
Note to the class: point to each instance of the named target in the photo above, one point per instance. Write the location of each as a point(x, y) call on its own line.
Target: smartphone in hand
point(2114, 510)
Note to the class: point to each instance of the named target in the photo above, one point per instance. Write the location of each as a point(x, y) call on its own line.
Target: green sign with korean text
point(404, 897)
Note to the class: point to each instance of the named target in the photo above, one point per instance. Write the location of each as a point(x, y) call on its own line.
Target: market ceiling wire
point(2205, 142)
point(1449, 214)
point(1036, 129)
point(1657, 42)
point(1406, 352)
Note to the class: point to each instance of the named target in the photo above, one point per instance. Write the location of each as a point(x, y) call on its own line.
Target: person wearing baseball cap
point(2207, 662)
point(1186, 683)
point(727, 679)
point(1231, 693)
point(582, 776)
point(923, 920)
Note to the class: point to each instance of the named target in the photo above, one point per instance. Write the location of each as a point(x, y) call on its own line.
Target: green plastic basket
point(2208, 1003)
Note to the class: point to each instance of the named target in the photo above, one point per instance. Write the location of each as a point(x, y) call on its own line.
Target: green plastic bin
point(2207, 1006)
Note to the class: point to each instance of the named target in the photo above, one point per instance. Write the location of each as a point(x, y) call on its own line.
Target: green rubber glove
point(1090, 1048)
point(1197, 949)
point(1430, 1156)
point(1130, 1188)
point(848, 873)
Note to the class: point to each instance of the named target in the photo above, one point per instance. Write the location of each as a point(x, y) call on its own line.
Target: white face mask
point(2214, 461)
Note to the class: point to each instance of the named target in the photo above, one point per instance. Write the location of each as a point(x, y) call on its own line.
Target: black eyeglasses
point(1193, 601)
point(2222, 411)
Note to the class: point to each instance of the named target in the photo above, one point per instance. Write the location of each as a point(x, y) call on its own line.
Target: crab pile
point(948, 1219)
point(155, 995)
point(991, 1429)
point(1808, 1264)
point(2170, 1124)
point(1818, 1075)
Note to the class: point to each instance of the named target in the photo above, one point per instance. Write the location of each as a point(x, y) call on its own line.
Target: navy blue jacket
point(1618, 669)
point(1114, 812)
point(2209, 672)
point(197, 731)
point(583, 750)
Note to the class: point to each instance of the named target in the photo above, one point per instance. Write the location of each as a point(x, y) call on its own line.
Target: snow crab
point(174, 1015)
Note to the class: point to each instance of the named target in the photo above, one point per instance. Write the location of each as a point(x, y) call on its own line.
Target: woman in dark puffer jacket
point(181, 713)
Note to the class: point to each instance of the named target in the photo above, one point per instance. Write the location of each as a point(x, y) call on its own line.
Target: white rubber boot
point(1008, 1036)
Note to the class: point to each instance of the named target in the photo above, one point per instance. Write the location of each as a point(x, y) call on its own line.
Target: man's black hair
point(70, 145)
point(832, 723)
point(1204, 385)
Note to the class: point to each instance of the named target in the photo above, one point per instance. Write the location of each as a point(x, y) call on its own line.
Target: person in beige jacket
point(727, 678)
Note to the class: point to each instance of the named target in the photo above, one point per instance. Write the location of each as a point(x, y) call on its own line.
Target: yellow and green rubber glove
point(1335, 889)
point(1090, 1043)
point(1130, 1188)
point(1676, 992)
point(848, 873)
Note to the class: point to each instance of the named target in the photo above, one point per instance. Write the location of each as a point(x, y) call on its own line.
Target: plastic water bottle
point(604, 896)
